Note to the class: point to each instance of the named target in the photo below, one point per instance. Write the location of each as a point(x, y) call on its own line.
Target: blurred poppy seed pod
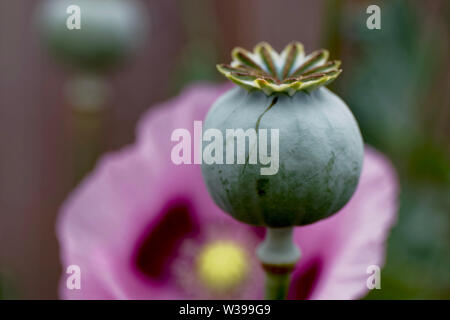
point(108, 31)
point(320, 145)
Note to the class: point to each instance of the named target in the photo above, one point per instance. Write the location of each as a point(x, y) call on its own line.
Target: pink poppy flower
point(141, 227)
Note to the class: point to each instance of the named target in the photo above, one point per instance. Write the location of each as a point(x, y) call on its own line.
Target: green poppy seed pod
point(107, 31)
point(309, 128)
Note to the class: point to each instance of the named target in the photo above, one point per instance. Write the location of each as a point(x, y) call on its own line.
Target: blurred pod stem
point(87, 95)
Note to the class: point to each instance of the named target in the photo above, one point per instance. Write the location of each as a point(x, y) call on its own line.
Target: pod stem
point(278, 255)
point(277, 285)
point(87, 96)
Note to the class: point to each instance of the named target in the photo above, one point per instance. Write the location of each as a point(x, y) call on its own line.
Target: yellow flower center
point(222, 265)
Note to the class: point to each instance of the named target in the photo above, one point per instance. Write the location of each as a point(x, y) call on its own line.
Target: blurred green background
point(396, 81)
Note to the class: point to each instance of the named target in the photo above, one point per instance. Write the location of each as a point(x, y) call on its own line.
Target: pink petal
point(100, 224)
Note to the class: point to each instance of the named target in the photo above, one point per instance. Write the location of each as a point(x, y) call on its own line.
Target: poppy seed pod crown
point(287, 72)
